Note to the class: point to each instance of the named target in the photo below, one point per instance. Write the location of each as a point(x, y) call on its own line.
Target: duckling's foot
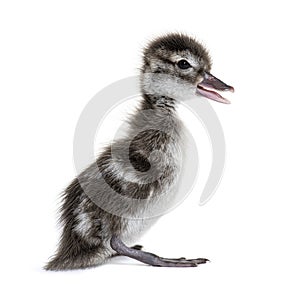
point(186, 262)
point(150, 258)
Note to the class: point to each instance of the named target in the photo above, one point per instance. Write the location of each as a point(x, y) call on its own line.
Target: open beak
point(211, 82)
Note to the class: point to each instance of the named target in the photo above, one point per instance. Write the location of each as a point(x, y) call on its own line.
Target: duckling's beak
point(212, 82)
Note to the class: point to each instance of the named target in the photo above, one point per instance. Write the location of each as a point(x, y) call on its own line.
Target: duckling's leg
point(150, 258)
point(137, 247)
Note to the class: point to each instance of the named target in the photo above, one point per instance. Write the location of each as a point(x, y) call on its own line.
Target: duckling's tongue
point(211, 81)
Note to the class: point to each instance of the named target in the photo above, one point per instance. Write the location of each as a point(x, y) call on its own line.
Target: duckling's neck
point(156, 113)
point(155, 89)
point(160, 102)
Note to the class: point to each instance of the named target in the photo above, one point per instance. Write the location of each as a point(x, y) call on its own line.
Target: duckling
point(109, 205)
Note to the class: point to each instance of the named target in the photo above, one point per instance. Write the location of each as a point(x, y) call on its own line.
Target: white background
point(55, 55)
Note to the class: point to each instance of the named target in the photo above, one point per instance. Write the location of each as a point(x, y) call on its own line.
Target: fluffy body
point(121, 192)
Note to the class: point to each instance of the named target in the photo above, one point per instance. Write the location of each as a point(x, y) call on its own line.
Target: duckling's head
point(177, 66)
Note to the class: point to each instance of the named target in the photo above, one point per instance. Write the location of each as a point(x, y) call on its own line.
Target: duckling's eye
point(183, 64)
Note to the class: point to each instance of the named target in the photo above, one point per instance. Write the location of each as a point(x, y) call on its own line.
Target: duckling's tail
point(75, 253)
